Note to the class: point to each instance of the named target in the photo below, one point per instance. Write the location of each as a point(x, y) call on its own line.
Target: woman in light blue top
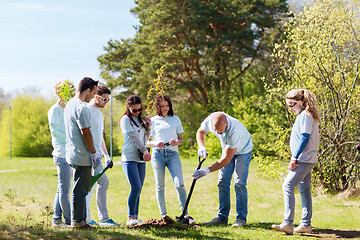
point(134, 154)
point(64, 171)
point(165, 136)
point(304, 145)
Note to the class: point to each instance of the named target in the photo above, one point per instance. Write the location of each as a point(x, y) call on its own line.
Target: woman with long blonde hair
point(304, 145)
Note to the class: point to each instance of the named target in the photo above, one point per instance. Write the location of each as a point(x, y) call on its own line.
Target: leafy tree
point(322, 53)
point(30, 130)
point(205, 47)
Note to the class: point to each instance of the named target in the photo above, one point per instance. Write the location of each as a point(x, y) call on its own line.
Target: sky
point(43, 42)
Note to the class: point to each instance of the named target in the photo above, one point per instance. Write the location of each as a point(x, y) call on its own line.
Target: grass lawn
point(28, 186)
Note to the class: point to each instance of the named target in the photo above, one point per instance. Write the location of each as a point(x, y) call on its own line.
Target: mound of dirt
point(163, 222)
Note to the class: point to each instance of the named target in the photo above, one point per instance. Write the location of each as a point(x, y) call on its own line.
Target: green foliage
point(67, 91)
point(321, 53)
point(204, 46)
point(30, 134)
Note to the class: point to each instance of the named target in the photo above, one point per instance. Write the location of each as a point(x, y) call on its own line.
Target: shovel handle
point(191, 190)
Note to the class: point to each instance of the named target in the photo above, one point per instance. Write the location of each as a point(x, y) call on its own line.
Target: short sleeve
point(83, 117)
point(179, 127)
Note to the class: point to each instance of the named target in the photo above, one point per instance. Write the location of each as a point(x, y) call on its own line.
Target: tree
point(322, 53)
point(30, 129)
point(205, 47)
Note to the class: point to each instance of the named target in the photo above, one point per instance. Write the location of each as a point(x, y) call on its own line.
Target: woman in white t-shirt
point(304, 145)
point(165, 136)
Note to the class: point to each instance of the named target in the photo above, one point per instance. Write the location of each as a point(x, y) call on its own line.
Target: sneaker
point(283, 227)
point(60, 225)
point(133, 222)
point(215, 221)
point(93, 223)
point(303, 229)
point(108, 223)
point(239, 223)
point(85, 227)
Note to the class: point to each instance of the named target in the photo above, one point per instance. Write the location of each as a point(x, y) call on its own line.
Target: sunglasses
point(104, 99)
point(290, 106)
point(136, 110)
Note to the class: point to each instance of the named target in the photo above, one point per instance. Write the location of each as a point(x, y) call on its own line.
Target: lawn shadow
point(333, 233)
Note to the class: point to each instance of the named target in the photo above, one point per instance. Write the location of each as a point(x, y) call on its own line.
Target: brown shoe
point(85, 227)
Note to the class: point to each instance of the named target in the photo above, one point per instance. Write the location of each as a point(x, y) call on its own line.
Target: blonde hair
point(309, 101)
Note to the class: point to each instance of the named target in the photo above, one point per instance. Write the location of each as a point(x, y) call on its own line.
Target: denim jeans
point(166, 158)
point(240, 165)
point(102, 185)
point(81, 186)
point(135, 174)
point(300, 176)
point(62, 196)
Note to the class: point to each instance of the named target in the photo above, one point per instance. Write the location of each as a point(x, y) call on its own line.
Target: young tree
point(322, 53)
point(205, 47)
point(30, 129)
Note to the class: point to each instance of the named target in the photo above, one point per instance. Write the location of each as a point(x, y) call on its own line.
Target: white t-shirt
point(57, 129)
point(235, 135)
point(96, 126)
point(305, 124)
point(166, 128)
point(76, 117)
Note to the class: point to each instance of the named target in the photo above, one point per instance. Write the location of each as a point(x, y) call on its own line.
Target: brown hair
point(158, 108)
point(130, 101)
point(309, 101)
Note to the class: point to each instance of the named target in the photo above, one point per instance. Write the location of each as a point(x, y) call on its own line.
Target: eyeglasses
point(290, 106)
point(104, 99)
point(136, 110)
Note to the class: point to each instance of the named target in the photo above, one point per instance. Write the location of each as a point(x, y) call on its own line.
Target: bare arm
point(222, 162)
point(88, 139)
point(200, 137)
point(103, 148)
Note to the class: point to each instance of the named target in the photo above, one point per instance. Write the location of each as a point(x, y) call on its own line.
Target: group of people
point(85, 147)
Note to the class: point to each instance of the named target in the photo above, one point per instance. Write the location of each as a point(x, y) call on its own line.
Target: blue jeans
point(81, 186)
point(300, 176)
point(240, 165)
point(135, 174)
point(62, 196)
point(102, 186)
point(166, 158)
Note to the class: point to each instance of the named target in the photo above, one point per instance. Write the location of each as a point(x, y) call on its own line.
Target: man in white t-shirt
point(236, 155)
point(102, 97)
point(80, 150)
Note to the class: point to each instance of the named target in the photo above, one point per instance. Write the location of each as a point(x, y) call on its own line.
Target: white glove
point(202, 152)
point(107, 159)
point(201, 173)
point(95, 158)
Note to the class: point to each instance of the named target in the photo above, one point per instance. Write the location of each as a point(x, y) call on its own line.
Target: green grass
point(26, 198)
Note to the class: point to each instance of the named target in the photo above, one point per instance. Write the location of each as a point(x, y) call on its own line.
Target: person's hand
point(293, 164)
point(160, 144)
point(174, 142)
point(202, 152)
point(201, 173)
point(107, 160)
point(147, 157)
point(95, 158)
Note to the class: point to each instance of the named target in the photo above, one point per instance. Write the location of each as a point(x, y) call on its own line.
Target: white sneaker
point(239, 223)
point(133, 222)
point(59, 225)
point(303, 229)
point(283, 227)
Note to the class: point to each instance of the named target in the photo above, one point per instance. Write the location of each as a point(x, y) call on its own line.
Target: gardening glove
point(95, 158)
point(201, 173)
point(107, 160)
point(202, 152)
point(357, 147)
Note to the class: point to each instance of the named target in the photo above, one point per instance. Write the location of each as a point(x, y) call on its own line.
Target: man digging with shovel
point(236, 155)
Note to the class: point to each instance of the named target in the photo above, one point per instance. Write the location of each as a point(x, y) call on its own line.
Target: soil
point(164, 222)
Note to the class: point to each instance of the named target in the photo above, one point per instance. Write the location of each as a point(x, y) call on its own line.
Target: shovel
point(181, 218)
point(96, 177)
